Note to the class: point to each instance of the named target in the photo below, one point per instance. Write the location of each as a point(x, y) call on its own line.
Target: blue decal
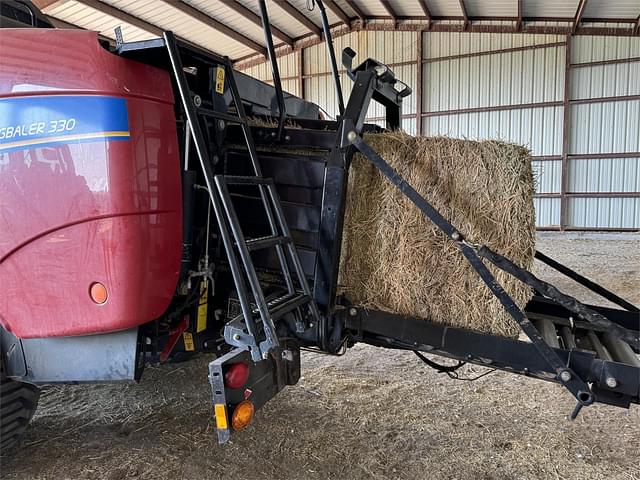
point(43, 120)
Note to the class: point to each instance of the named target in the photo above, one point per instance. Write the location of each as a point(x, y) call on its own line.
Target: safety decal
point(220, 80)
point(201, 323)
point(187, 337)
point(45, 120)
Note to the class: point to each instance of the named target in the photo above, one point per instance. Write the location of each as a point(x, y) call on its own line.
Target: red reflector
point(237, 375)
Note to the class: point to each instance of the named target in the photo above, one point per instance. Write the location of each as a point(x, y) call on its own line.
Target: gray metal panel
point(88, 358)
point(547, 212)
point(604, 212)
point(526, 76)
point(606, 80)
point(591, 48)
point(548, 175)
point(443, 44)
point(287, 64)
point(495, 8)
point(604, 175)
point(608, 127)
point(550, 8)
point(609, 9)
point(538, 128)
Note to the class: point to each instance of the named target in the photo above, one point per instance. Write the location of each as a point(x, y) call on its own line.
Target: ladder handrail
point(201, 150)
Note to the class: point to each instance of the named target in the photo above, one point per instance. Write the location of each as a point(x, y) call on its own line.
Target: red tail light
point(237, 375)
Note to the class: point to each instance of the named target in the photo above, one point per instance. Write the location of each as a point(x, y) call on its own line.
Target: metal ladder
point(244, 330)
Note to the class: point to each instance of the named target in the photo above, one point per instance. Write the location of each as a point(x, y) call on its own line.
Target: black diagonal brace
point(567, 301)
point(585, 282)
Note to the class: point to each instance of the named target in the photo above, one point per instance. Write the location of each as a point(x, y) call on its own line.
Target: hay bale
point(394, 259)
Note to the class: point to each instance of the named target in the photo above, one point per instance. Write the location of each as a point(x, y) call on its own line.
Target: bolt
point(353, 311)
point(456, 236)
point(351, 136)
point(197, 101)
point(221, 125)
point(611, 382)
point(237, 337)
point(565, 375)
point(311, 325)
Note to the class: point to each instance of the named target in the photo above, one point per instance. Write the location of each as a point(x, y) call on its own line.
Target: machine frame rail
point(612, 382)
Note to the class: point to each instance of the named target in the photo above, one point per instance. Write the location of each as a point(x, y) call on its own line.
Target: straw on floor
point(395, 259)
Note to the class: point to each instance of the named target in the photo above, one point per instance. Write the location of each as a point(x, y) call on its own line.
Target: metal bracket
point(235, 334)
point(119, 38)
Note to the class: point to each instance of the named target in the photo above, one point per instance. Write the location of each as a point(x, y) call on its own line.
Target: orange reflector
point(98, 293)
point(221, 416)
point(242, 415)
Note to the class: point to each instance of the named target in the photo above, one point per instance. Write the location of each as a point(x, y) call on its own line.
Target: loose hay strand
point(395, 259)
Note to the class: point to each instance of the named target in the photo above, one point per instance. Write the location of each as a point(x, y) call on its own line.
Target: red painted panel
point(98, 211)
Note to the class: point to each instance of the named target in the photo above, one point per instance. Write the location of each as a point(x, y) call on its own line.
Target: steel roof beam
point(578, 15)
point(211, 22)
point(427, 12)
point(256, 20)
point(387, 6)
point(57, 23)
point(123, 16)
point(118, 15)
point(299, 17)
point(359, 13)
point(47, 4)
point(520, 16)
point(464, 15)
point(184, 8)
point(335, 8)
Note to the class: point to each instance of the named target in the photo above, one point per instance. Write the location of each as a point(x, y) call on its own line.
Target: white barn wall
point(604, 128)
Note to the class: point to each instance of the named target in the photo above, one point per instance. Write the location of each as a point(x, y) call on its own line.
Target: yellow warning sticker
point(201, 323)
point(187, 337)
point(220, 80)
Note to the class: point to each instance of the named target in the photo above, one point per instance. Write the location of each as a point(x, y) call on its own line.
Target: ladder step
point(245, 180)
point(266, 242)
point(223, 116)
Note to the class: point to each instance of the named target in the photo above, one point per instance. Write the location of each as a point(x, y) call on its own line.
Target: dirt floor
point(373, 413)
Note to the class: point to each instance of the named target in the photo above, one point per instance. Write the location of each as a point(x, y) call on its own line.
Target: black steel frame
point(394, 331)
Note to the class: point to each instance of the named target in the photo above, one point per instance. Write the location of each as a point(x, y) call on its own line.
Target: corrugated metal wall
point(604, 141)
point(585, 140)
